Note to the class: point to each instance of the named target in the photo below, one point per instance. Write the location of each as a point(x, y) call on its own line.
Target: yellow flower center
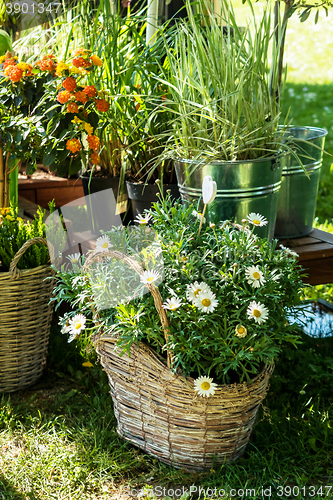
point(256, 275)
point(256, 222)
point(105, 245)
point(151, 278)
point(75, 261)
point(143, 221)
point(77, 325)
point(241, 329)
point(205, 386)
point(206, 302)
point(173, 307)
point(256, 313)
point(197, 291)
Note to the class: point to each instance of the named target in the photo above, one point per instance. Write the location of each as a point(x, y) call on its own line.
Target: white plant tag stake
point(209, 190)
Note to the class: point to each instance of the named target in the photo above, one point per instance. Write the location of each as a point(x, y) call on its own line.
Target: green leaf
point(305, 14)
point(48, 158)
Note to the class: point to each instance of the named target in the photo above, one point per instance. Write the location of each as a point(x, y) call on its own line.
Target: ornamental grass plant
point(225, 295)
point(221, 81)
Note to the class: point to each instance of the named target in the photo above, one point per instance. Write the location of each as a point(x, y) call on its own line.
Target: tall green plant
point(218, 77)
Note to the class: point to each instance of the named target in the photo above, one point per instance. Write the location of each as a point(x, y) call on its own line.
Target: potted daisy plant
point(190, 350)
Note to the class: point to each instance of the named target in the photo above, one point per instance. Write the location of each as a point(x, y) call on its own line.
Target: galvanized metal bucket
point(242, 187)
point(298, 193)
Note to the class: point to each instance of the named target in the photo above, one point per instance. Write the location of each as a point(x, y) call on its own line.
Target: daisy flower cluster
point(225, 295)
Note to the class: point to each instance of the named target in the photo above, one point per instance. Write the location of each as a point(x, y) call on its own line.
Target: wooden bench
point(315, 253)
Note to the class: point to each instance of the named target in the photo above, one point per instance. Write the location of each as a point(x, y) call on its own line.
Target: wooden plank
point(306, 240)
point(29, 208)
point(28, 194)
point(48, 182)
point(322, 235)
point(314, 252)
point(320, 272)
point(61, 195)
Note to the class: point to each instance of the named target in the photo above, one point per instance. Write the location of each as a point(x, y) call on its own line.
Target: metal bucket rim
point(322, 132)
point(235, 162)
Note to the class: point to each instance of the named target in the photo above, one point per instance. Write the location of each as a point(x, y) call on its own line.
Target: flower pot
point(96, 184)
point(242, 187)
point(25, 319)
point(161, 413)
point(298, 193)
point(144, 195)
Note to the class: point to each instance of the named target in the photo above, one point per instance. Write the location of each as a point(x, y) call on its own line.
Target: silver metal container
point(242, 187)
point(298, 193)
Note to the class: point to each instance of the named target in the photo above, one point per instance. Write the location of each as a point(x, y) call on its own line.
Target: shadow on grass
point(9, 492)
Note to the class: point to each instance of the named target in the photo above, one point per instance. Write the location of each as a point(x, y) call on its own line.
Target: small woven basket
point(161, 413)
point(25, 318)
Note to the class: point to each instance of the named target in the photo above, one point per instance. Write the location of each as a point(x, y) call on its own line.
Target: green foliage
point(14, 232)
point(220, 87)
point(201, 342)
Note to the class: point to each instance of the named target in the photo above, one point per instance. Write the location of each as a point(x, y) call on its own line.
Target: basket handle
point(158, 301)
point(15, 273)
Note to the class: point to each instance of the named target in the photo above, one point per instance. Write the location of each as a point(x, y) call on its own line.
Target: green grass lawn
point(59, 441)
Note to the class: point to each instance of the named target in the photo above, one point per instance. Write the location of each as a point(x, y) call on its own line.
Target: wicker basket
point(161, 413)
point(25, 317)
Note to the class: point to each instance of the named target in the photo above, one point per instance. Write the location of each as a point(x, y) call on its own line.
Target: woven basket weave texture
point(25, 318)
point(161, 413)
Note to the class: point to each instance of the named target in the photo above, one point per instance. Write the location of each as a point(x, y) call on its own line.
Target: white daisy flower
point(74, 258)
point(142, 220)
point(76, 325)
point(172, 304)
point(258, 312)
point(103, 244)
point(254, 276)
point(240, 331)
point(288, 251)
point(149, 277)
point(194, 289)
point(257, 219)
point(205, 386)
point(206, 301)
point(198, 215)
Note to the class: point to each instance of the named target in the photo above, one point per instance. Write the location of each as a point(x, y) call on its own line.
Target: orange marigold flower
point(72, 107)
point(79, 62)
point(93, 142)
point(9, 62)
point(69, 83)
point(48, 56)
point(63, 96)
point(14, 74)
point(102, 105)
point(97, 61)
point(46, 64)
point(81, 96)
point(90, 90)
point(73, 145)
point(94, 158)
point(81, 52)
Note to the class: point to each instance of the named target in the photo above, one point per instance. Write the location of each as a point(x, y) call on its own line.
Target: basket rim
point(267, 369)
point(35, 270)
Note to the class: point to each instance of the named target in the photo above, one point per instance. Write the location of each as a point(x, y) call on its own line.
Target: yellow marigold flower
point(61, 67)
point(19, 219)
point(76, 119)
point(88, 128)
point(97, 61)
point(5, 211)
point(9, 217)
point(87, 364)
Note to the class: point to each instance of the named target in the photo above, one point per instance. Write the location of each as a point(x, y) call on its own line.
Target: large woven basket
point(161, 413)
point(25, 318)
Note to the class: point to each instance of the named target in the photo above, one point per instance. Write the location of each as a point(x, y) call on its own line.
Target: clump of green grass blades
point(59, 441)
